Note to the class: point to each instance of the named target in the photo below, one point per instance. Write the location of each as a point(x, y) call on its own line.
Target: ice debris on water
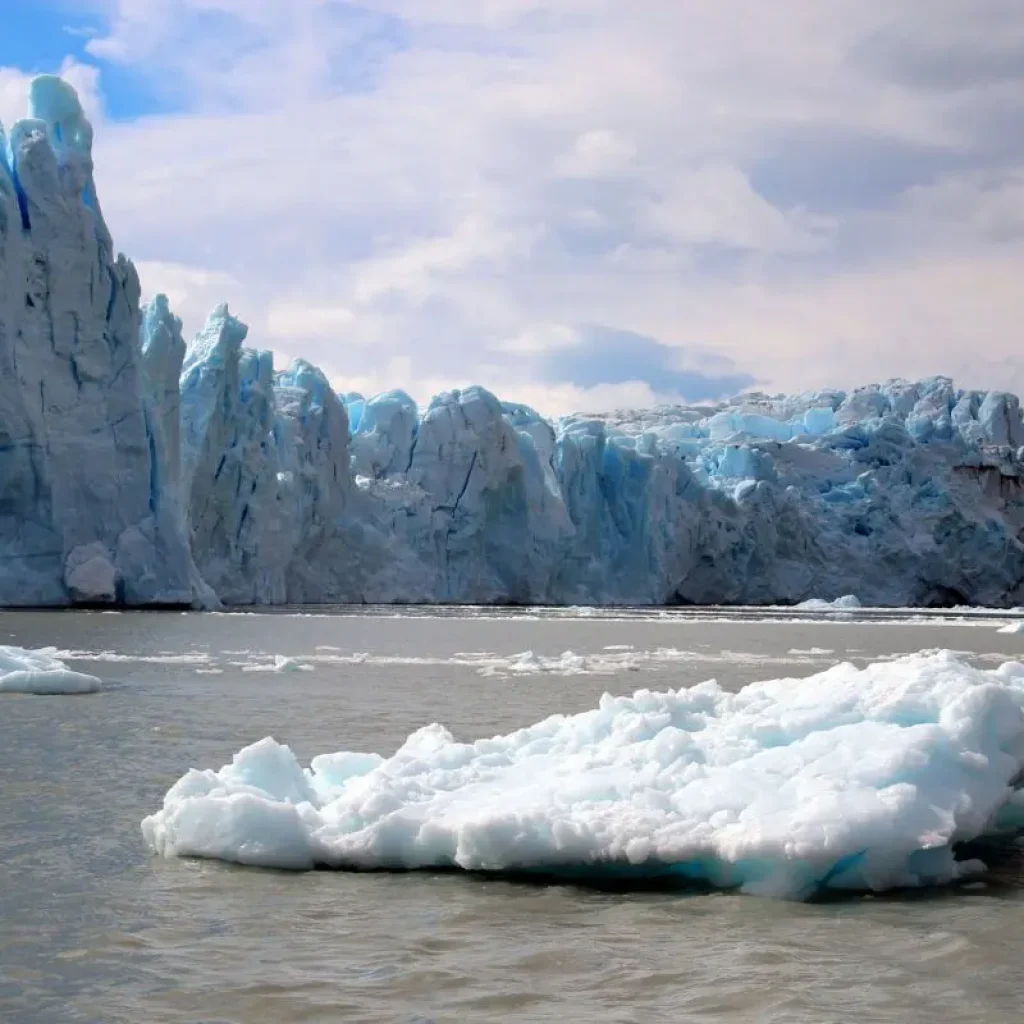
point(856, 779)
point(41, 672)
point(848, 602)
point(143, 470)
point(279, 664)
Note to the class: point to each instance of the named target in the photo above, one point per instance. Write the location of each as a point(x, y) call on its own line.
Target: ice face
point(767, 500)
point(82, 517)
point(125, 483)
point(849, 779)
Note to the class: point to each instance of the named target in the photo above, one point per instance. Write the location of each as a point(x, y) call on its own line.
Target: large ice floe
point(41, 672)
point(137, 469)
point(849, 779)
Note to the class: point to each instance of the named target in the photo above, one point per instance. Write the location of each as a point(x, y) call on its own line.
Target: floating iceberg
point(23, 671)
point(849, 779)
point(848, 602)
point(139, 470)
point(279, 664)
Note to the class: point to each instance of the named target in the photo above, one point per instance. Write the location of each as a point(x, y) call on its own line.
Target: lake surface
point(92, 928)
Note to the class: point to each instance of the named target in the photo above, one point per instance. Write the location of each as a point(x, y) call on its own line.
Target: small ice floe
point(24, 671)
point(279, 664)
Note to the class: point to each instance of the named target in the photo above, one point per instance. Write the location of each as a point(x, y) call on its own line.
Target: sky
point(579, 204)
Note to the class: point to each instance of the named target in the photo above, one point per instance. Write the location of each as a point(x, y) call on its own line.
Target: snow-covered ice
point(143, 470)
point(1012, 627)
point(42, 672)
point(849, 779)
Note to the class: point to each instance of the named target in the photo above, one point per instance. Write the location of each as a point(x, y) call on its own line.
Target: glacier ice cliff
point(85, 508)
point(139, 470)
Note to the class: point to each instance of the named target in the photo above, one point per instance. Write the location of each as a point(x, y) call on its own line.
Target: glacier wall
point(137, 469)
point(85, 511)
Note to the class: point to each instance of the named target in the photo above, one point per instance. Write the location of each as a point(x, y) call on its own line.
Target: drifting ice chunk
point(850, 779)
point(279, 664)
point(23, 671)
point(848, 602)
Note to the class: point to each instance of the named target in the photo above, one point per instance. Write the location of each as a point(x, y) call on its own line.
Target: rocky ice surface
point(136, 469)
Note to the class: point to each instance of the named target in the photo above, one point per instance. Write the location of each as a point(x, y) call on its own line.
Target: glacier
point(140, 469)
point(87, 512)
point(851, 779)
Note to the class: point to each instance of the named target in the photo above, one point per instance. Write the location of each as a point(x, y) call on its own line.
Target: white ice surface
point(848, 602)
point(24, 671)
point(279, 664)
point(852, 779)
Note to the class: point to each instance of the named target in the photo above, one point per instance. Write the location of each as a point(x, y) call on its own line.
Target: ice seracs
point(138, 470)
point(850, 779)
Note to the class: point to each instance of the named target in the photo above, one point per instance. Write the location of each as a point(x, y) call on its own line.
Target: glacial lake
point(93, 928)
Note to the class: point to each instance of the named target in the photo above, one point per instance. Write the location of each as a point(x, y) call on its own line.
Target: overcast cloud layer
point(577, 203)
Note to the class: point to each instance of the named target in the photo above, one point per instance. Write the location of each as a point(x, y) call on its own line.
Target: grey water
point(94, 929)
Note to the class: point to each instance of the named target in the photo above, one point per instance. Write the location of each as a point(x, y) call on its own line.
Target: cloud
point(13, 95)
point(191, 290)
point(300, 319)
point(719, 206)
point(604, 356)
point(435, 193)
point(596, 154)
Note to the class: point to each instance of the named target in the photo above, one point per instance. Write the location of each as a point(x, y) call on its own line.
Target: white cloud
point(13, 95)
point(455, 186)
point(298, 319)
point(596, 154)
point(191, 290)
point(718, 206)
point(413, 269)
point(539, 338)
